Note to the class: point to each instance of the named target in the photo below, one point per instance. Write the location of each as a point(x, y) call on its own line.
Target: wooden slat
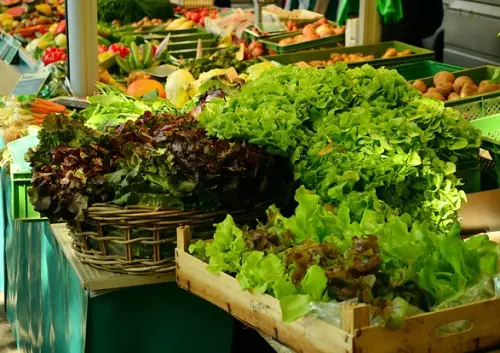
point(419, 335)
point(306, 335)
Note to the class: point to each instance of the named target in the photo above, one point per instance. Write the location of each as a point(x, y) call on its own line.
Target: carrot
point(40, 110)
point(39, 116)
point(56, 107)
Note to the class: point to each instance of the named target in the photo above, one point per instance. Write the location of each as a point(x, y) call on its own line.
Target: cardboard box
point(481, 214)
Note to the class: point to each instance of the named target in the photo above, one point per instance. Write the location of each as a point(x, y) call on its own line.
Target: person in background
point(421, 20)
point(408, 21)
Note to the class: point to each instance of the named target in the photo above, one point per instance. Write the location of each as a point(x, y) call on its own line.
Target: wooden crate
point(308, 335)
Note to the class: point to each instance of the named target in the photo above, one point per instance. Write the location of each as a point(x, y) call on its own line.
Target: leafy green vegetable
point(377, 209)
point(111, 108)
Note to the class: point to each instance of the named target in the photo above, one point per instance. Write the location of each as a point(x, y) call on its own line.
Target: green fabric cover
point(390, 10)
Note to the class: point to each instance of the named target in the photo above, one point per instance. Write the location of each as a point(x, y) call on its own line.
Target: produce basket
point(478, 106)
point(356, 335)
point(141, 240)
point(192, 4)
point(426, 68)
point(273, 43)
point(376, 49)
point(490, 128)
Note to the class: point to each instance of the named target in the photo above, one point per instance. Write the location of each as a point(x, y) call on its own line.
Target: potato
point(468, 90)
point(489, 87)
point(484, 82)
point(443, 76)
point(405, 52)
point(453, 96)
point(445, 88)
point(390, 53)
point(434, 94)
point(420, 85)
point(460, 82)
point(432, 89)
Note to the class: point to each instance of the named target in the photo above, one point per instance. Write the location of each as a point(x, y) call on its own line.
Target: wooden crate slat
point(309, 335)
point(418, 334)
point(262, 312)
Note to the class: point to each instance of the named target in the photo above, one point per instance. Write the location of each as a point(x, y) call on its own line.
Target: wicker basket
point(142, 240)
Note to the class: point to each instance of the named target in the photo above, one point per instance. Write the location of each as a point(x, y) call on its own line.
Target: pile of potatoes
point(448, 88)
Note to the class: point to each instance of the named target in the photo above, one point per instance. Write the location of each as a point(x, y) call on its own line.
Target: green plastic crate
point(490, 128)
point(175, 46)
point(185, 37)
point(376, 49)
point(470, 174)
point(479, 106)
point(190, 53)
point(22, 209)
point(426, 68)
point(273, 43)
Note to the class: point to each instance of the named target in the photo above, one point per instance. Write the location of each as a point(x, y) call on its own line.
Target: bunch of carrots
point(41, 107)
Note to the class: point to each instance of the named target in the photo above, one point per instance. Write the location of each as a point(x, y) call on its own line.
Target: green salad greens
point(377, 211)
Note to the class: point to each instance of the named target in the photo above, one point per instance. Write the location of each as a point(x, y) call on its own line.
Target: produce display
point(197, 15)
point(20, 115)
point(376, 217)
point(319, 29)
point(354, 58)
point(26, 18)
point(447, 87)
point(222, 59)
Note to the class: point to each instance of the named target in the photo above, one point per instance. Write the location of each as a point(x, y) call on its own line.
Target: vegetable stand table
point(56, 304)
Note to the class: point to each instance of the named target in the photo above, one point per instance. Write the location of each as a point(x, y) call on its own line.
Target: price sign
point(30, 84)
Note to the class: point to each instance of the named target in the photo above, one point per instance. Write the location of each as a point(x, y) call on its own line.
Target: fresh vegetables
point(140, 58)
point(222, 59)
point(320, 29)
point(378, 201)
point(119, 49)
point(353, 58)
point(139, 88)
point(112, 108)
point(157, 160)
point(448, 88)
point(128, 11)
point(52, 55)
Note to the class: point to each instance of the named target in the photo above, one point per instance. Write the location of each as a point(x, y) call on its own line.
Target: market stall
point(209, 116)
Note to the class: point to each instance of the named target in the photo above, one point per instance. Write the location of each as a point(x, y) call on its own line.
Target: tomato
point(188, 15)
point(195, 17)
point(204, 12)
point(202, 21)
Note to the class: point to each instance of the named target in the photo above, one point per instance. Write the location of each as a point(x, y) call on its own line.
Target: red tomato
point(195, 17)
point(188, 15)
point(202, 21)
point(204, 12)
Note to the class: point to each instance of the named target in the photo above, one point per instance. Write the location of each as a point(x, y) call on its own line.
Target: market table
point(56, 304)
